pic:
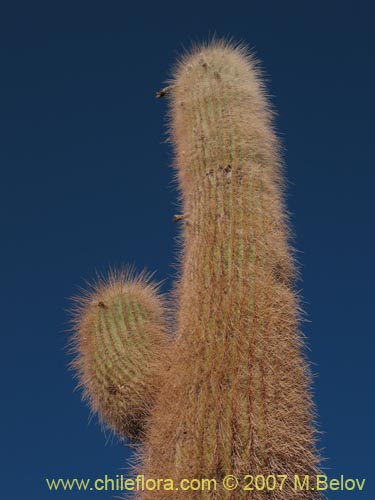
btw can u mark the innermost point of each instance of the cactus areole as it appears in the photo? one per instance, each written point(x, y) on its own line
point(228, 391)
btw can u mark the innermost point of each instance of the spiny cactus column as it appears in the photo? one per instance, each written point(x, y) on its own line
point(234, 396)
point(237, 396)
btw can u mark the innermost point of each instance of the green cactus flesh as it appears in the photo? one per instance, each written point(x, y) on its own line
point(120, 341)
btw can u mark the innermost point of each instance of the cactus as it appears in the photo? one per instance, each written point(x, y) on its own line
point(121, 340)
point(230, 393)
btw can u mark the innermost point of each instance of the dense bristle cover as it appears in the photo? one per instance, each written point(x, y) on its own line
point(237, 398)
point(120, 343)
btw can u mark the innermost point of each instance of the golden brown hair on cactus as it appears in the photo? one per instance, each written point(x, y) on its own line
point(233, 395)
point(120, 340)
point(237, 398)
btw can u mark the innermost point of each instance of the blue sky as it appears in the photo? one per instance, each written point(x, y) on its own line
point(86, 183)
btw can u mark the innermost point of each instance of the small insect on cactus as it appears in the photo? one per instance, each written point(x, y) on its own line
point(229, 391)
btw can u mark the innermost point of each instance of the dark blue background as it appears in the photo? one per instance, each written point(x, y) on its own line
point(86, 182)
